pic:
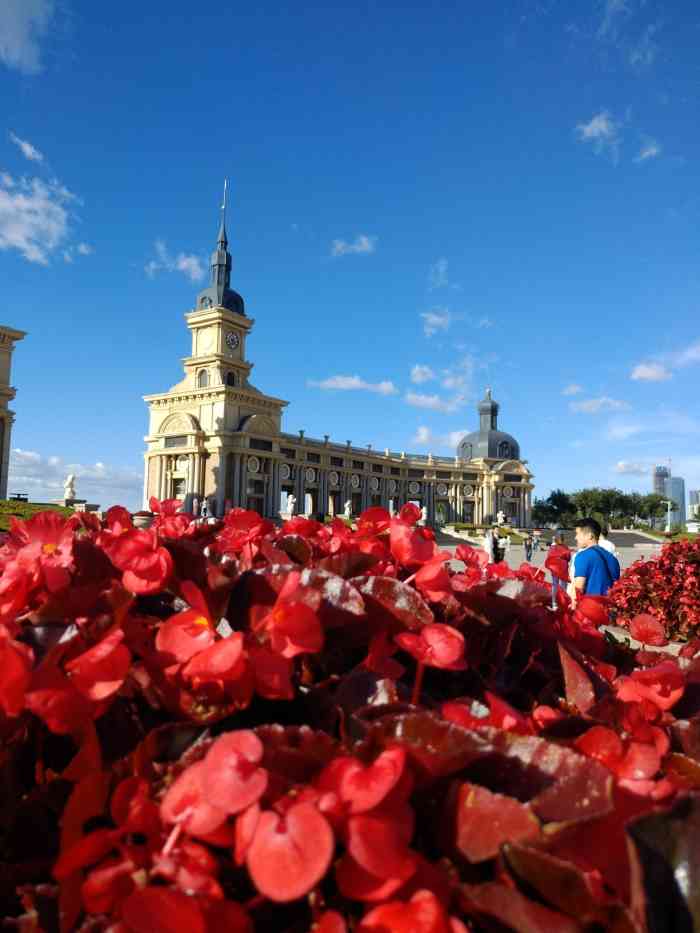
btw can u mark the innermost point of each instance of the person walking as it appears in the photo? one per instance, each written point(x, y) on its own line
point(557, 562)
point(605, 542)
point(528, 548)
point(595, 568)
point(490, 545)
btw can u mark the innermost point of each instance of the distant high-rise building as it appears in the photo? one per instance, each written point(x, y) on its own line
point(675, 490)
point(694, 497)
point(661, 474)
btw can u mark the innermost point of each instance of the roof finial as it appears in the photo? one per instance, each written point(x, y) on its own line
point(222, 239)
point(488, 392)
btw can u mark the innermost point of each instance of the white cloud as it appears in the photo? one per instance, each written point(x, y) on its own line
point(650, 372)
point(34, 217)
point(361, 245)
point(603, 133)
point(187, 263)
point(623, 430)
point(85, 249)
point(688, 356)
point(67, 256)
point(631, 468)
point(644, 51)
point(41, 477)
point(484, 323)
point(613, 11)
point(22, 24)
point(591, 406)
point(28, 151)
point(438, 274)
point(434, 402)
point(421, 373)
point(650, 149)
point(572, 389)
point(353, 383)
point(425, 438)
point(437, 319)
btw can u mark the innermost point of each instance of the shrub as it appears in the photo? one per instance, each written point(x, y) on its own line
point(242, 727)
point(666, 587)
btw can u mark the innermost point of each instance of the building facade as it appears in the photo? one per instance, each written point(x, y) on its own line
point(214, 436)
point(659, 477)
point(8, 338)
point(675, 491)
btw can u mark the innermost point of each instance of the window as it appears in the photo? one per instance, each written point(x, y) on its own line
point(257, 444)
point(313, 458)
point(513, 478)
point(470, 477)
point(443, 475)
point(358, 465)
point(288, 452)
point(396, 471)
point(202, 379)
point(415, 473)
point(377, 468)
point(504, 449)
point(230, 379)
point(336, 461)
point(466, 451)
point(176, 440)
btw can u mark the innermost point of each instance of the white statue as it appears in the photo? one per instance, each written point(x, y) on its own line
point(205, 508)
point(291, 505)
point(195, 506)
point(69, 486)
point(347, 508)
point(500, 517)
point(424, 516)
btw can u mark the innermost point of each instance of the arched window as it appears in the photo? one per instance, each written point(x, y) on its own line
point(202, 379)
point(504, 449)
point(230, 379)
point(466, 451)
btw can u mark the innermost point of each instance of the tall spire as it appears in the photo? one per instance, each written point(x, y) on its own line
point(220, 294)
point(222, 239)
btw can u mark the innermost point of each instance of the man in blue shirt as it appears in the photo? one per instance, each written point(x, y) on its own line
point(595, 569)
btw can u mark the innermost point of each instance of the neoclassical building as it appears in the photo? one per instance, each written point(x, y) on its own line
point(214, 435)
point(8, 338)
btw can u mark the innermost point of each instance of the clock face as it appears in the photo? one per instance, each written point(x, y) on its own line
point(232, 340)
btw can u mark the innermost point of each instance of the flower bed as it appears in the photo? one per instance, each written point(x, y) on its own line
point(666, 587)
point(234, 727)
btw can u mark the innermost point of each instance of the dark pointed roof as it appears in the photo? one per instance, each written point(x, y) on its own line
point(488, 442)
point(220, 294)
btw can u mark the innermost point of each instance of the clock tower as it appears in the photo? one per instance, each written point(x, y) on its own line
point(198, 428)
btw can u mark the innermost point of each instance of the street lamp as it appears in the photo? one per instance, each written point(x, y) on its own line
point(668, 503)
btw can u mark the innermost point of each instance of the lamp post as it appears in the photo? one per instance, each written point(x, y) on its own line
point(668, 503)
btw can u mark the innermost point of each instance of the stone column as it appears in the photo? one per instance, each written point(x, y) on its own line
point(160, 468)
point(301, 490)
point(236, 484)
point(323, 492)
point(191, 477)
point(146, 475)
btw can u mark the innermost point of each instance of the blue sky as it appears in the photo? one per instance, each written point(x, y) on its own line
point(425, 199)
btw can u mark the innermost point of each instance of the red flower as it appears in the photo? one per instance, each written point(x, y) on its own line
point(290, 854)
point(422, 914)
point(662, 685)
point(362, 788)
point(433, 580)
point(16, 666)
point(411, 546)
point(146, 565)
point(44, 544)
point(291, 626)
point(232, 774)
point(101, 670)
point(648, 630)
point(437, 646)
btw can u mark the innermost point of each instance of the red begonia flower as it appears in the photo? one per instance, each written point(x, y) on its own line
point(374, 521)
point(162, 910)
point(411, 546)
point(183, 636)
point(232, 774)
point(662, 685)
point(16, 669)
point(433, 580)
point(379, 840)
point(87, 850)
point(422, 914)
point(330, 922)
point(44, 543)
point(475, 558)
point(101, 670)
point(293, 628)
point(53, 698)
point(594, 609)
point(436, 645)
point(290, 854)
point(647, 629)
point(146, 565)
point(187, 802)
point(132, 808)
point(410, 513)
point(221, 663)
point(15, 584)
point(362, 788)
point(273, 672)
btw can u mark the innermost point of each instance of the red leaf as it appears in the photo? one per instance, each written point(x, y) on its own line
point(422, 914)
point(579, 689)
point(484, 821)
point(393, 604)
point(290, 854)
